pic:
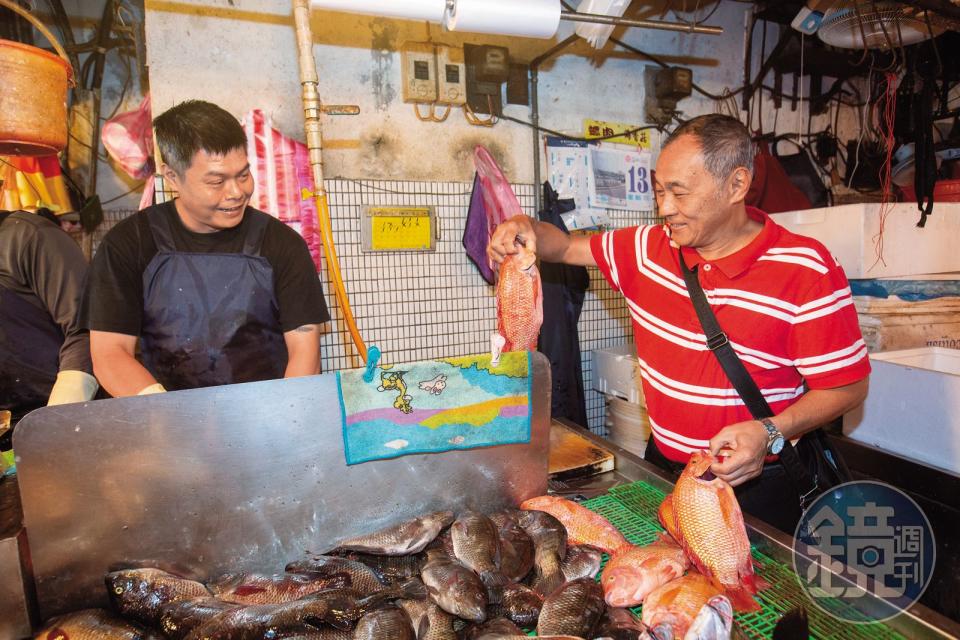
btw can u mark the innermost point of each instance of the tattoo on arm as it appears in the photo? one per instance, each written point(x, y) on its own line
point(307, 328)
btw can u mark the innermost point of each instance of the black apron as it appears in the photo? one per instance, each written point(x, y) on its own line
point(210, 318)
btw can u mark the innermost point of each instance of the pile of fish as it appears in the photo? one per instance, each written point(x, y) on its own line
point(471, 577)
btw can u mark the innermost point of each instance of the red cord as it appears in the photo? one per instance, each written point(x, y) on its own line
point(887, 122)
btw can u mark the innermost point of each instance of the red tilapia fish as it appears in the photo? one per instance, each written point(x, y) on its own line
point(519, 304)
point(669, 610)
point(708, 521)
point(583, 525)
point(631, 575)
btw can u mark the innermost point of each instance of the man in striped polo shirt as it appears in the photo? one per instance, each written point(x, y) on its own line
point(782, 299)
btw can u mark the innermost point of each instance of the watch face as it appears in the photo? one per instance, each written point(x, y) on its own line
point(776, 446)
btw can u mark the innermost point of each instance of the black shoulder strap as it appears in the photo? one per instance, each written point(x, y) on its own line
point(743, 382)
point(718, 343)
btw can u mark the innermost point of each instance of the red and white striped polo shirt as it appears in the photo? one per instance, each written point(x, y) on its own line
point(783, 301)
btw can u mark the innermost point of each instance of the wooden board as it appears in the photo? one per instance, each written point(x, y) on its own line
point(573, 456)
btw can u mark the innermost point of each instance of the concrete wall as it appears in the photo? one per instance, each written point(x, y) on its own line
point(241, 54)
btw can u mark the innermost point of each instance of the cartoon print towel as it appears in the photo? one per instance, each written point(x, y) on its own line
point(435, 405)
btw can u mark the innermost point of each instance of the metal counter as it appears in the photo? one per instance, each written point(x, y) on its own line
point(918, 622)
point(15, 594)
point(243, 477)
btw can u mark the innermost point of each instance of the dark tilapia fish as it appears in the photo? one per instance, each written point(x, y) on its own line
point(573, 609)
point(550, 543)
point(619, 624)
point(92, 624)
point(389, 569)
point(389, 622)
point(476, 545)
point(495, 628)
point(336, 607)
point(139, 594)
point(428, 620)
point(362, 578)
point(411, 536)
point(581, 562)
point(516, 547)
point(256, 588)
point(443, 542)
point(520, 604)
point(454, 588)
point(178, 619)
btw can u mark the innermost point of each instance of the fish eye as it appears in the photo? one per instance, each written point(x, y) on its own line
point(118, 590)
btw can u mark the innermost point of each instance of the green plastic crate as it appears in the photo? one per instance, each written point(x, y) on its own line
point(632, 508)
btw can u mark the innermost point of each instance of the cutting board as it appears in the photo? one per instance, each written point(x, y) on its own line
point(574, 456)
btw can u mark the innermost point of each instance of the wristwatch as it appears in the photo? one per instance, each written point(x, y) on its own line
point(774, 437)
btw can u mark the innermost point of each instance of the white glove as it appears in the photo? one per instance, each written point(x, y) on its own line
point(156, 387)
point(72, 386)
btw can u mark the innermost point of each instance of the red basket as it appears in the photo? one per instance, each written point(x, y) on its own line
point(943, 191)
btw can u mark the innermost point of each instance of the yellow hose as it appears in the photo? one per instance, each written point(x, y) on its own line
point(333, 263)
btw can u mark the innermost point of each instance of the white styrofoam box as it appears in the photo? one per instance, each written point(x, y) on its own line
point(616, 372)
point(911, 408)
point(850, 232)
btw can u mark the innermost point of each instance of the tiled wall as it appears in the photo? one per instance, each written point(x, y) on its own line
point(415, 306)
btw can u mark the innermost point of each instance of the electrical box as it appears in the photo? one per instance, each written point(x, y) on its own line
point(664, 87)
point(419, 62)
point(488, 67)
point(451, 76)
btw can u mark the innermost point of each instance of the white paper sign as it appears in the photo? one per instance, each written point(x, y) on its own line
point(570, 174)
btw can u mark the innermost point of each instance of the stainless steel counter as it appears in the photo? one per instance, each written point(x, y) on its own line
point(15, 605)
point(918, 622)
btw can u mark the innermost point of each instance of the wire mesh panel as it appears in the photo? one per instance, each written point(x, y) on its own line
point(422, 305)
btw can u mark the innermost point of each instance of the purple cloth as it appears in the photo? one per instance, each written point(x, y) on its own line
point(476, 234)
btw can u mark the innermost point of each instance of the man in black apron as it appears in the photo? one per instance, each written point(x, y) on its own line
point(44, 354)
point(215, 291)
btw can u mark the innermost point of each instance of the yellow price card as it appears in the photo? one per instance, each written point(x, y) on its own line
point(399, 229)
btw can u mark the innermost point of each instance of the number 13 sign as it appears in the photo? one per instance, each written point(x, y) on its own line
point(621, 179)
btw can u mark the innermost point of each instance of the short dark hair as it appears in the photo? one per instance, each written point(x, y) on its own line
point(193, 126)
point(724, 142)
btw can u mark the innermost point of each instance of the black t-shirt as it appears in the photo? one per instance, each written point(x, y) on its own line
point(113, 297)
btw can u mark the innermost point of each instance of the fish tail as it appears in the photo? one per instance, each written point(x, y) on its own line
point(413, 589)
point(742, 599)
point(754, 583)
point(621, 549)
point(547, 574)
point(494, 581)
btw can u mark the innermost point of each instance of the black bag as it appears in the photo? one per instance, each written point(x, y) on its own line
point(812, 465)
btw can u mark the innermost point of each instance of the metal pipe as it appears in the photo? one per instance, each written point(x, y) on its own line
point(312, 109)
point(535, 111)
point(576, 16)
point(535, 120)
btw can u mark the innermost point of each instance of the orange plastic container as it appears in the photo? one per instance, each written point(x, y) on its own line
point(943, 191)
